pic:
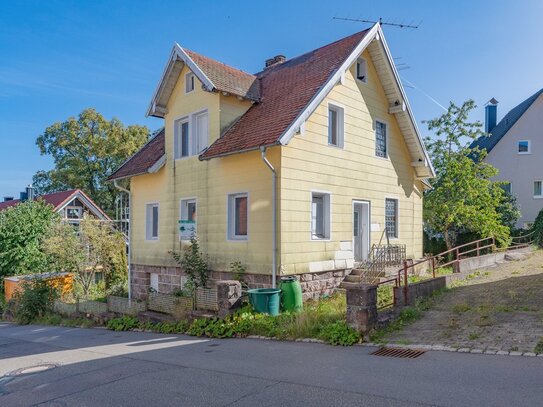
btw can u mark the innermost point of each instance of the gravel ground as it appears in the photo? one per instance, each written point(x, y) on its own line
point(498, 309)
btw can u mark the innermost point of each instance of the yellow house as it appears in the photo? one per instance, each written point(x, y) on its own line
point(298, 169)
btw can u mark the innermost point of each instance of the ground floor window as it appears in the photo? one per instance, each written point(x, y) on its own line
point(238, 216)
point(151, 223)
point(320, 215)
point(391, 217)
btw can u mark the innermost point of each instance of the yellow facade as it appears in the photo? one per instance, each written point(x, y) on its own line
point(306, 163)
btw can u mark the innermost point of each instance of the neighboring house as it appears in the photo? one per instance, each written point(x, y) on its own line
point(515, 148)
point(335, 126)
point(71, 205)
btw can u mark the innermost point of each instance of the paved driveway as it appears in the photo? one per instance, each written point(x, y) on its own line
point(97, 367)
point(500, 308)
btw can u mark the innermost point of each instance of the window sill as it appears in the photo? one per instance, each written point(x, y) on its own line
point(527, 153)
point(364, 82)
point(337, 147)
point(538, 196)
point(382, 158)
point(151, 240)
point(237, 239)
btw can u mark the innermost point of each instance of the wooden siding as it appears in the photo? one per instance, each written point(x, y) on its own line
point(352, 173)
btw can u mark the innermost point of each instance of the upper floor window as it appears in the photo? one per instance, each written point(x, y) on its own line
point(362, 70)
point(189, 82)
point(507, 188)
point(238, 216)
point(335, 126)
point(191, 135)
point(523, 147)
point(381, 139)
point(391, 217)
point(74, 212)
point(151, 221)
point(320, 215)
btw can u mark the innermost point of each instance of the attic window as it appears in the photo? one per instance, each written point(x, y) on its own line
point(362, 70)
point(189, 82)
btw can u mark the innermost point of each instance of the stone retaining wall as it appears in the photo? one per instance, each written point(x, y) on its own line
point(314, 285)
point(169, 304)
point(92, 307)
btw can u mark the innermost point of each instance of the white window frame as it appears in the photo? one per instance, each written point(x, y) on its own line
point(231, 214)
point(529, 147)
point(540, 196)
point(387, 127)
point(340, 112)
point(393, 198)
point(183, 210)
point(194, 140)
point(149, 221)
point(190, 76)
point(78, 208)
point(327, 213)
point(361, 62)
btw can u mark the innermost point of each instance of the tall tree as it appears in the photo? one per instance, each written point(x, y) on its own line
point(85, 151)
point(463, 197)
point(22, 229)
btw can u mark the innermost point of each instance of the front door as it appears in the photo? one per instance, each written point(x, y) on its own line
point(361, 230)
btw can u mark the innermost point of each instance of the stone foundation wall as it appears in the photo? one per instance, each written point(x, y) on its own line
point(314, 285)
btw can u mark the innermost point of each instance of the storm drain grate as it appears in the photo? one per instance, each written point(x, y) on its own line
point(398, 353)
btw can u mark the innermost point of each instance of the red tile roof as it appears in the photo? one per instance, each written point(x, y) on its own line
point(282, 91)
point(57, 200)
point(286, 89)
point(226, 78)
point(144, 159)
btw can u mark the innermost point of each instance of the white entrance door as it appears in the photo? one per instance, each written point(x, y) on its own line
point(361, 230)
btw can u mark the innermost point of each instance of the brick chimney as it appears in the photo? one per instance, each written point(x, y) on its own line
point(278, 59)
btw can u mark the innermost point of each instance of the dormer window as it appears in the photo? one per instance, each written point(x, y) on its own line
point(362, 70)
point(189, 82)
point(523, 147)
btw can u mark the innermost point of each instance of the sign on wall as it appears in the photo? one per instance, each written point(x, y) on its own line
point(187, 229)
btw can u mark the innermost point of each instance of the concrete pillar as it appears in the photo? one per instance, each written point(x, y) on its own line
point(361, 306)
point(228, 296)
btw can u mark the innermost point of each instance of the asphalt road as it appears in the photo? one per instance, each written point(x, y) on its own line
point(96, 367)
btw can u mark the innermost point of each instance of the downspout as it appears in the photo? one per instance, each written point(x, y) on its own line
point(274, 215)
point(129, 251)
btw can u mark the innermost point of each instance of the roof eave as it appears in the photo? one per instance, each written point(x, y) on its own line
point(202, 158)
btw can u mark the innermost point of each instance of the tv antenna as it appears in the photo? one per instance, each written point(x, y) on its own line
point(399, 25)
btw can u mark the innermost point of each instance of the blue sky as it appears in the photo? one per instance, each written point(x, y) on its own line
point(59, 57)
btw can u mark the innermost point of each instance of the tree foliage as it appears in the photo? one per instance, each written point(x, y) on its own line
point(22, 229)
point(463, 198)
point(93, 247)
point(86, 150)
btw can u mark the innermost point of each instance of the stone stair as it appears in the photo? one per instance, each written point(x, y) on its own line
point(363, 276)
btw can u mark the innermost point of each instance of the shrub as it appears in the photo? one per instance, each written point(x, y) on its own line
point(33, 301)
point(339, 333)
point(198, 327)
point(124, 323)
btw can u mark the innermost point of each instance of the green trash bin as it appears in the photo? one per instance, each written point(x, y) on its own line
point(265, 300)
point(291, 294)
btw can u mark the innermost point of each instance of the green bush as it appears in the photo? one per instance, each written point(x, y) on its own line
point(33, 301)
point(198, 327)
point(124, 323)
point(537, 228)
point(338, 333)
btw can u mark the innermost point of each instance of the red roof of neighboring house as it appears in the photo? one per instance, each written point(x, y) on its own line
point(144, 159)
point(286, 89)
point(57, 200)
point(282, 91)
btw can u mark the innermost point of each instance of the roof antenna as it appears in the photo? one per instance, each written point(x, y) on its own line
point(381, 22)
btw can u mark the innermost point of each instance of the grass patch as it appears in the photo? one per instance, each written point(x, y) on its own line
point(461, 308)
point(473, 336)
point(539, 347)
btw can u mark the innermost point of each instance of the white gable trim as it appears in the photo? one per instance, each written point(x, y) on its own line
point(177, 54)
point(328, 86)
point(87, 202)
point(158, 165)
point(375, 33)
